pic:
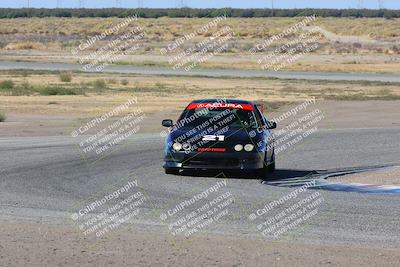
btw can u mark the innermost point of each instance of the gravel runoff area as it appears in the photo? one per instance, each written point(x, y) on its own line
point(35, 244)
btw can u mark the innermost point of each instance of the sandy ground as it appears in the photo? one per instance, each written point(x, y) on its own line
point(382, 177)
point(345, 114)
point(36, 244)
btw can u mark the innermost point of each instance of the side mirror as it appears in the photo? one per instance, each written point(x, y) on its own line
point(271, 125)
point(167, 123)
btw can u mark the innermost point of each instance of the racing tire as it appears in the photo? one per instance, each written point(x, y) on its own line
point(262, 173)
point(271, 166)
point(172, 171)
point(267, 169)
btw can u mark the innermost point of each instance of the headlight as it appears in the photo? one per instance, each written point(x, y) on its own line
point(248, 147)
point(177, 146)
point(186, 147)
point(238, 147)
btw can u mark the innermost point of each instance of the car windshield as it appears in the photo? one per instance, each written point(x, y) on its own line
point(232, 117)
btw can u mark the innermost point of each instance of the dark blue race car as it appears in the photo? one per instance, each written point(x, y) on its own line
point(220, 134)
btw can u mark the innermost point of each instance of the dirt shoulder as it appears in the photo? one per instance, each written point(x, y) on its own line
point(382, 177)
point(64, 246)
point(337, 114)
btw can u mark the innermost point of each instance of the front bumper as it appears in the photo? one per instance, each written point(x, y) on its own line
point(215, 160)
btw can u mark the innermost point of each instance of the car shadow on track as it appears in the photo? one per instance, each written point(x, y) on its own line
point(289, 174)
point(278, 174)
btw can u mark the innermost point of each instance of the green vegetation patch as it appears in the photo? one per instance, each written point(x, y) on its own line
point(2, 116)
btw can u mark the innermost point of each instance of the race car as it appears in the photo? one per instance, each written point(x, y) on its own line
point(220, 134)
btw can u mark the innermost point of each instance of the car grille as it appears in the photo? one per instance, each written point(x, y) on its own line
point(202, 161)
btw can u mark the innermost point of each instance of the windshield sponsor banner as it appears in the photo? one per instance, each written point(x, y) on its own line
point(220, 105)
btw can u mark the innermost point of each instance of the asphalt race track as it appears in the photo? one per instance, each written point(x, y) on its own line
point(45, 178)
point(233, 73)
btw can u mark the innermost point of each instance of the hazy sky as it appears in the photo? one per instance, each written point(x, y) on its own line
point(391, 4)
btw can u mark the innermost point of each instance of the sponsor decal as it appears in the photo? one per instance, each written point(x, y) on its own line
point(220, 105)
point(211, 149)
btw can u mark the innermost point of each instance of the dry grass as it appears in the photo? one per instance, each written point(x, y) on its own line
point(364, 67)
point(25, 46)
point(168, 93)
point(372, 27)
point(58, 35)
point(170, 28)
point(2, 117)
point(66, 77)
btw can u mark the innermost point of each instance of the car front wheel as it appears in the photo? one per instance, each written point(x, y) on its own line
point(267, 169)
point(271, 165)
